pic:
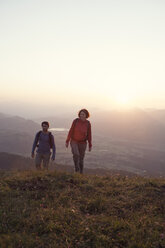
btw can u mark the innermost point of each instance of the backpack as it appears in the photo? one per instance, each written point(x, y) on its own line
point(50, 138)
point(76, 120)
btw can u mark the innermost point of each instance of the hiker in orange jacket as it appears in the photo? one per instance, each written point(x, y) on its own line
point(79, 134)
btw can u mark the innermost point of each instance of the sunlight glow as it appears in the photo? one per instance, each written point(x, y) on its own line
point(123, 100)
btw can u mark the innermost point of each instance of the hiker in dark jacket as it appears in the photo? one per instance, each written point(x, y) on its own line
point(79, 134)
point(44, 141)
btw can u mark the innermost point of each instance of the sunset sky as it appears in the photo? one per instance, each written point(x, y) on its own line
point(94, 53)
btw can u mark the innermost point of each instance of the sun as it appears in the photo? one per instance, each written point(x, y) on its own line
point(123, 100)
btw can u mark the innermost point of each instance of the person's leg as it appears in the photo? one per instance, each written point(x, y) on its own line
point(38, 160)
point(46, 158)
point(82, 149)
point(76, 155)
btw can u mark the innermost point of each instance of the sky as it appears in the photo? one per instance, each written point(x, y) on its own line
point(100, 54)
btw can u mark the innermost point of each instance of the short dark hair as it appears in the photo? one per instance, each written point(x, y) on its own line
point(85, 111)
point(45, 123)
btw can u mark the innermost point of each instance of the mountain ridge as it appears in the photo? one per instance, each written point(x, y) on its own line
point(114, 141)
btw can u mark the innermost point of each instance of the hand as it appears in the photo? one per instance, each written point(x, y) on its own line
point(66, 144)
point(32, 155)
point(90, 149)
point(52, 158)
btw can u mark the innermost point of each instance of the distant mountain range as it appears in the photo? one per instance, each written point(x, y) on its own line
point(16, 134)
point(145, 126)
point(17, 123)
point(132, 140)
point(137, 126)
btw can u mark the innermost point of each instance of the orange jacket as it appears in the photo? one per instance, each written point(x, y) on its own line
point(80, 132)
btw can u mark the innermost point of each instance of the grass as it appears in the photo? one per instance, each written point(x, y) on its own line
point(60, 210)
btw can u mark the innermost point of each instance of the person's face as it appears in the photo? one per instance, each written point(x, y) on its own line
point(83, 116)
point(45, 128)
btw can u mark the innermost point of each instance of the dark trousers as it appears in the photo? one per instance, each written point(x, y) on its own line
point(78, 151)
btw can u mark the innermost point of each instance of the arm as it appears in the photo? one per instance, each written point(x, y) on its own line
point(90, 136)
point(34, 146)
point(70, 133)
point(53, 148)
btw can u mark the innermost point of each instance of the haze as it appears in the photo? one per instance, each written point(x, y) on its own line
point(70, 54)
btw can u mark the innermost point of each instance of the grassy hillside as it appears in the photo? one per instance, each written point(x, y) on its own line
point(60, 210)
